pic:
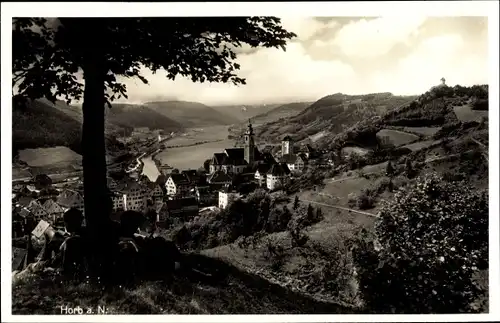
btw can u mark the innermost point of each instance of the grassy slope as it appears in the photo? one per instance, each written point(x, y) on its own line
point(136, 116)
point(191, 114)
point(229, 291)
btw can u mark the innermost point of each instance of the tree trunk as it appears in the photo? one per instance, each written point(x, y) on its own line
point(94, 158)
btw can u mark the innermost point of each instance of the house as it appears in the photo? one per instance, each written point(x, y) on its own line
point(236, 160)
point(42, 181)
point(261, 173)
point(24, 201)
point(118, 200)
point(156, 194)
point(54, 210)
point(135, 196)
point(287, 146)
point(37, 209)
point(178, 185)
point(70, 199)
point(277, 176)
point(112, 184)
point(183, 208)
point(295, 162)
point(227, 195)
point(218, 180)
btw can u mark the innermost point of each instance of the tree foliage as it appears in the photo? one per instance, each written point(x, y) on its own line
point(49, 53)
point(433, 237)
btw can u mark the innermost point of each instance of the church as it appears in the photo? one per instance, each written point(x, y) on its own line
point(240, 160)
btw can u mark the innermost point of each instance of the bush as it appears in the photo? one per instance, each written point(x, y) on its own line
point(433, 238)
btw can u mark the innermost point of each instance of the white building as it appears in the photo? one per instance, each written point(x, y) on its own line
point(135, 197)
point(227, 196)
point(286, 146)
point(277, 176)
point(178, 185)
point(295, 162)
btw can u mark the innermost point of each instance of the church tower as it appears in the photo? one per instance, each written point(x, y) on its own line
point(249, 144)
point(286, 146)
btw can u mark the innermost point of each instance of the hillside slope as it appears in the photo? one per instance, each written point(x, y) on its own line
point(136, 116)
point(243, 112)
point(329, 115)
point(38, 124)
point(283, 111)
point(191, 114)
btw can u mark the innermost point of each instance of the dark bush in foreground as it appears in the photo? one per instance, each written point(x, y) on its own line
point(433, 239)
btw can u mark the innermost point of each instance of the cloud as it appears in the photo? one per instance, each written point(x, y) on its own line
point(447, 56)
point(306, 27)
point(376, 37)
point(272, 76)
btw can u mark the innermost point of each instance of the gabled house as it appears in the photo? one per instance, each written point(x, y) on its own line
point(70, 199)
point(178, 185)
point(54, 210)
point(261, 173)
point(135, 196)
point(37, 209)
point(295, 162)
point(277, 176)
point(227, 195)
point(218, 180)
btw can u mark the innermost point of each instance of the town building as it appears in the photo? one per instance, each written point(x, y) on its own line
point(205, 196)
point(277, 176)
point(70, 199)
point(261, 174)
point(178, 185)
point(227, 195)
point(37, 210)
point(54, 210)
point(295, 162)
point(237, 160)
point(181, 208)
point(135, 196)
point(218, 180)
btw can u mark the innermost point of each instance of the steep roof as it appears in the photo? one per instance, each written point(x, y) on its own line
point(219, 177)
point(52, 207)
point(287, 138)
point(179, 179)
point(68, 198)
point(288, 158)
point(235, 153)
point(219, 159)
point(279, 170)
point(263, 168)
point(228, 188)
point(25, 200)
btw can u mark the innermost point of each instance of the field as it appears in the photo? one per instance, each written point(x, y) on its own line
point(358, 150)
point(426, 131)
point(397, 138)
point(421, 144)
point(46, 157)
point(465, 113)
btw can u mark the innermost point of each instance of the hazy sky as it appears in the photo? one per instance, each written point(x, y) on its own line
point(402, 55)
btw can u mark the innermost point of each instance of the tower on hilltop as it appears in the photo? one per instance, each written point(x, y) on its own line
point(249, 144)
point(443, 81)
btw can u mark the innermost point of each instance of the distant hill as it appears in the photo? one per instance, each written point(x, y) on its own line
point(243, 112)
point(137, 116)
point(40, 123)
point(329, 115)
point(283, 111)
point(191, 114)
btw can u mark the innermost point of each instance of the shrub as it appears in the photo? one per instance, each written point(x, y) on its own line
point(433, 238)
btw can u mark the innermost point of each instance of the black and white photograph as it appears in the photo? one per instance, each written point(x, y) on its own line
point(230, 158)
